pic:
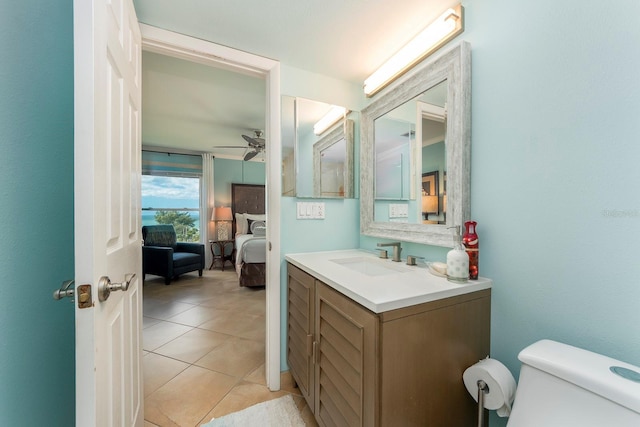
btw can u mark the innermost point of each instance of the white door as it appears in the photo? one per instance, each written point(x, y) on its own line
point(107, 56)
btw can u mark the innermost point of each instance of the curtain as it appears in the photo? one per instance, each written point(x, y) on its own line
point(206, 203)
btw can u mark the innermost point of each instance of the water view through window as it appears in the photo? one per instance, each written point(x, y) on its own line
point(172, 200)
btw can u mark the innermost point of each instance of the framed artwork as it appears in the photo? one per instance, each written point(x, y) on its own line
point(430, 199)
point(430, 183)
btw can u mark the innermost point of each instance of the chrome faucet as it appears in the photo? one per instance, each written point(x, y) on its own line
point(396, 250)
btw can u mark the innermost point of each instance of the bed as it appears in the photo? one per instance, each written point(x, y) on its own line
point(249, 228)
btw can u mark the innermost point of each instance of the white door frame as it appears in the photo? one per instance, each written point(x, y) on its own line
point(180, 46)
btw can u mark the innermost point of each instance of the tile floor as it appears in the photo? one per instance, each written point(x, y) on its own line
point(204, 350)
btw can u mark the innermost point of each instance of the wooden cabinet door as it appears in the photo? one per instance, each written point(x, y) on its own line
point(346, 361)
point(301, 318)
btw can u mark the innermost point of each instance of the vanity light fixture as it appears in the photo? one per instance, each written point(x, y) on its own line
point(335, 113)
point(439, 32)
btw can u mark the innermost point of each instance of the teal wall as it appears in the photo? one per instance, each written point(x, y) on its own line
point(227, 172)
point(37, 362)
point(555, 177)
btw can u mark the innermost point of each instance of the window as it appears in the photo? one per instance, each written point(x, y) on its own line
point(171, 192)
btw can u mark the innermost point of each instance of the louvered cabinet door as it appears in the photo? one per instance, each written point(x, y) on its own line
point(346, 361)
point(301, 309)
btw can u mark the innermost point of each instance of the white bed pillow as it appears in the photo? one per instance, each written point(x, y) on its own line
point(242, 225)
point(258, 228)
point(257, 217)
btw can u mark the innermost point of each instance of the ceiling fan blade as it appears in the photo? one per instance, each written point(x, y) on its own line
point(250, 155)
point(229, 146)
point(254, 142)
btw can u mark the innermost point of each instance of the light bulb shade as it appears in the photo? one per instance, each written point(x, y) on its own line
point(222, 213)
point(439, 32)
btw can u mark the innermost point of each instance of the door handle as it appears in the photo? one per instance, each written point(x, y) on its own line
point(105, 287)
point(65, 291)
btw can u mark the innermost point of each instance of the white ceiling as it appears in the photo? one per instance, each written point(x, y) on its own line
point(195, 107)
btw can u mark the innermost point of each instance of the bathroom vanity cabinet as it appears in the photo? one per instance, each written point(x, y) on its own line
point(401, 367)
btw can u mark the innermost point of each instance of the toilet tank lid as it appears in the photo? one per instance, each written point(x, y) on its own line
point(585, 369)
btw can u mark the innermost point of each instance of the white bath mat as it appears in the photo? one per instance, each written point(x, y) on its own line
point(281, 412)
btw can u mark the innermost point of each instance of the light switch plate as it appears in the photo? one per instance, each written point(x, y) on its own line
point(398, 210)
point(310, 210)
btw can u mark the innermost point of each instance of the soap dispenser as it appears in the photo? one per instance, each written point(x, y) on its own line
point(457, 259)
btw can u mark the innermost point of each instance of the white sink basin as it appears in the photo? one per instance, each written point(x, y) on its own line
point(370, 266)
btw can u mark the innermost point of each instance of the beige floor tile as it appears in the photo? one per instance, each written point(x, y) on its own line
point(192, 345)
point(153, 299)
point(148, 424)
point(185, 400)
point(223, 301)
point(241, 397)
point(148, 321)
point(254, 330)
point(158, 370)
point(232, 322)
point(250, 304)
point(161, 333)
point(194, 316)
point(236, 357)
point(166, 310)
point(288, 384)
point(257, 376)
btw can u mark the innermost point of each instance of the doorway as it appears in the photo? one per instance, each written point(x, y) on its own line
point(184, 47)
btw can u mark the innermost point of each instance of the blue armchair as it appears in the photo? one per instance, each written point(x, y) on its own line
point(164, 256)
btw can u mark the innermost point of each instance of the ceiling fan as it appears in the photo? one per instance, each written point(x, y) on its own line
point(255, 145)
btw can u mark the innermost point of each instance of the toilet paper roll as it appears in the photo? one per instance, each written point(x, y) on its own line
point(502, 385)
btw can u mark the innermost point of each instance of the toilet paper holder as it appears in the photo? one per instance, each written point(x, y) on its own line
point(483, 389)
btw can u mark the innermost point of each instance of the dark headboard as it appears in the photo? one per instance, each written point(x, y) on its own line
point(247, 198)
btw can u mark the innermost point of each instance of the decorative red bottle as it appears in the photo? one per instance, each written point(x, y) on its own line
point(472, 247)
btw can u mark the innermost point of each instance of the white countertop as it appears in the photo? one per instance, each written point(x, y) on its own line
point(385, 285)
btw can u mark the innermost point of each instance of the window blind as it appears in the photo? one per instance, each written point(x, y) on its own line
point(156, 163)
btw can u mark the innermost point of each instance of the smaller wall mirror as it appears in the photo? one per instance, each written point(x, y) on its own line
point(333, 163)
point(316, 164)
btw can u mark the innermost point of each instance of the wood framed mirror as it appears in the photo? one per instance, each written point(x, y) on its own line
point(446, 75)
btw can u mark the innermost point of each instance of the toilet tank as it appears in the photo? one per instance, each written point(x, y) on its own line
point(562, 386)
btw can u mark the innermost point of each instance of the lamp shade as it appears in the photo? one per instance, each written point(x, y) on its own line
point(430, 204)
point(221, 213)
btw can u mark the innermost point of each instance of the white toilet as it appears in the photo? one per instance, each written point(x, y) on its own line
point(564, 386)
